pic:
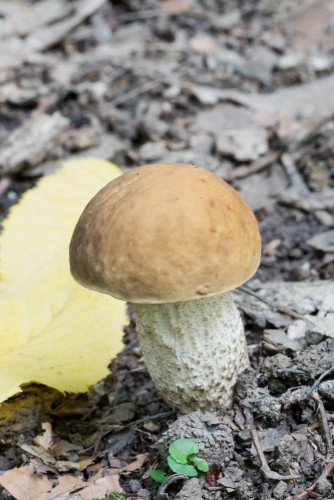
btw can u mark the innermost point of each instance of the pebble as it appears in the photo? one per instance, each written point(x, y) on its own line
point(319, 63)
point(290, 61)
point(134, 485)
point(326, 389)
point(325, 218)
point(152, 151)
point(227, 21)
point(280, 490)
point(323, 486)
point(203, 143)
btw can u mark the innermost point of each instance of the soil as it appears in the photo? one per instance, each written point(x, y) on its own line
point(276, 442)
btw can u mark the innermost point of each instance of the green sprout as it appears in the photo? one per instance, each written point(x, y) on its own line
point(181, 452)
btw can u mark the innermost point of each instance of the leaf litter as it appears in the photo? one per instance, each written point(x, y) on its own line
point(245, 90)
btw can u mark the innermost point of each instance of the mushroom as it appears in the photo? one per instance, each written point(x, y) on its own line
point(174, 239)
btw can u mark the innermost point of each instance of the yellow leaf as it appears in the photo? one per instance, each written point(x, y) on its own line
point(52, 330)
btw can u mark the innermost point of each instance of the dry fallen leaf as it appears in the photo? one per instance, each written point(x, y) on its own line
point(53, 331)
point(24, 484)
point(45, 439)
point(100, 487)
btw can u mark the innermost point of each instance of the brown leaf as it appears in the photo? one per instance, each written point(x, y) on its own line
point(44, 440)
point(63, 448)
point(85, 462)
point(212, 475)
point(67, 484)
point(36, 451)
point(101, 487)
point(23, 484)
point(137, 463)
point(41, 468)
point(94, 468)
point(65, 465)
point(133, 466)
point(271, 246)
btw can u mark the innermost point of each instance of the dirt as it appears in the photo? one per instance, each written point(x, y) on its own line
point(133, 80)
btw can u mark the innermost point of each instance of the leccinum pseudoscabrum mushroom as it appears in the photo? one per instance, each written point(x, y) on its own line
point(173, 239)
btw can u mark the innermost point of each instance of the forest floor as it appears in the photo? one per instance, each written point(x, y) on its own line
point(245, 89)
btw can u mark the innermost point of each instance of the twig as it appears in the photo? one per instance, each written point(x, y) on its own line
point(317, 382)
point(4, 184)
point(265, 469)
point(327, 470)
point(293, 314)
point(308, 132)
point(324, 420)
point(145, 14)
point(164, 414)
point(134, 93)
point(281, 309)
point(128, 17)
point(255, 167)
point(290, 143)
point(253, 294)
point(128, 347)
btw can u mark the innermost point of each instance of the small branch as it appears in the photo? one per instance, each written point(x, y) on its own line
point(328, 469)
point(317, 382)
point(282, 309)
point(164, 414)
point(325, 425)
point(305, 134)
point(265, 469)
point(247, 291)
point(141, 89)
point(128, 347)
point(255, 167)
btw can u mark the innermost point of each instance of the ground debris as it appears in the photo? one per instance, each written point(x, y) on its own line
point(50, 35)
point(245, 90)
point(313, 303)
point(323, 241)
point(214, 438)
point(36, 139)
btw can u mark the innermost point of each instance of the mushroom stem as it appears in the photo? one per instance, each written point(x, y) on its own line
point(193, 350)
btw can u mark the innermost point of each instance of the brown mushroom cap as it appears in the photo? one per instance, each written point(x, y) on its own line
point(165, 233)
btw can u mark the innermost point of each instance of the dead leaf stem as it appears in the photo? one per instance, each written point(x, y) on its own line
point(327, 470)
point(324, 420)
point(265, 469)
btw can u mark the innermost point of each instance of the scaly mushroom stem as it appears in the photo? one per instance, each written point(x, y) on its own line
point(193, 350)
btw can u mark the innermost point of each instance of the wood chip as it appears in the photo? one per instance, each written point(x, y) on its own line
point(242, 145)
point(31, 143)
point(323, 241)
point(48, 36)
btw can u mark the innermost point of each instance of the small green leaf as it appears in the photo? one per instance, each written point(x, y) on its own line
point(181, 449)
point(158, 475)
point(119, 496)
point(201, 464)
point(187, 470)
